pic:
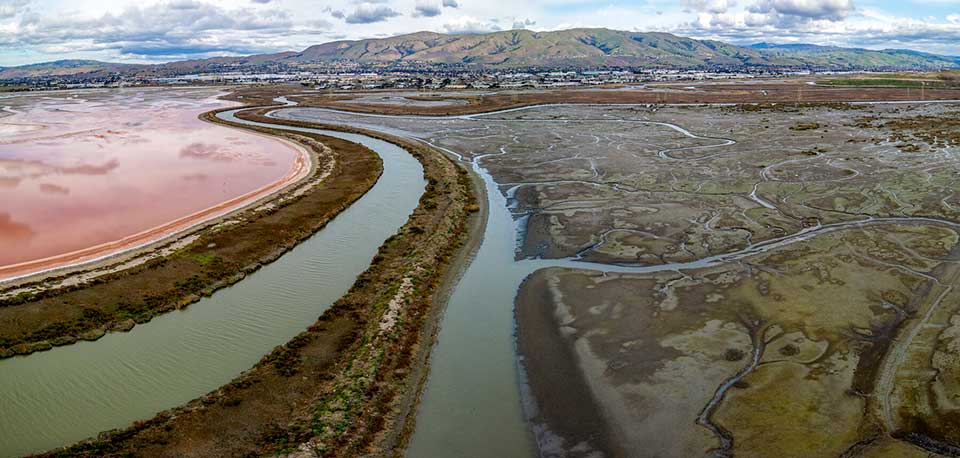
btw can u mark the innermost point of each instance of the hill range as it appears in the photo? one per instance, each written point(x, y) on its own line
point(524, 49)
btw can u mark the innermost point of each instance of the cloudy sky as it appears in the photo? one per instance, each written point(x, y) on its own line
point(164, 30)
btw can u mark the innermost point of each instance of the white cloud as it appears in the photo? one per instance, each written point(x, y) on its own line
point(524, 24)
point(160, 30)
point(466, 24)
point(709, 6)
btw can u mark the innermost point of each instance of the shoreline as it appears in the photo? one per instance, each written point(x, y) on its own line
point(303, 167)
point(123, 274)
point(404, 414)
point(345, 353)
point(560, 416)
point(477, 227)
point(756, 93)
point(427, 335)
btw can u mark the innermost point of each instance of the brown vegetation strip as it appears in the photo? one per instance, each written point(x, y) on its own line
point(220, 257)
point(338, 389)
point(743, 93)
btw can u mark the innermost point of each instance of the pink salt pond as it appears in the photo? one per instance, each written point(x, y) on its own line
point(84, 175)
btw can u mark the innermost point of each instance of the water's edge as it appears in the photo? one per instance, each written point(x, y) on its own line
point(69, 393)
point(471, 404)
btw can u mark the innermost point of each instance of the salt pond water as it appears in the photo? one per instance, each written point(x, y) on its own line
point(112, 169)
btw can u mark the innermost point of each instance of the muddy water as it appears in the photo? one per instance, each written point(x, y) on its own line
point(471, 406)
point(69, 393)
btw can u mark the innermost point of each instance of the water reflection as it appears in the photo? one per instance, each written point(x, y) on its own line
point(92, 168)
point(12, 232)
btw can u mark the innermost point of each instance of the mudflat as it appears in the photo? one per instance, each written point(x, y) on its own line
point(765, 261)
point(557, 382)
point(822, 323)
point(465, 102)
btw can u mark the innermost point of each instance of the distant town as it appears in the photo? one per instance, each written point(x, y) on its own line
point(360, 79)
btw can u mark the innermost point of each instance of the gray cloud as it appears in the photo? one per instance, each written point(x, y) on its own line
point(833, 10)
point(367, 13)
point(10, 8)
point(335, 13)
point(321, 24)
point(180, 28)
point(518, 24)
point(903, 33)
point(768, 20)
point(163, 30)
point(426, 8)
point(709, 6)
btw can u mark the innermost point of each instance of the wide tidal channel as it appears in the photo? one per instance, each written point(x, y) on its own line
point(57, 397)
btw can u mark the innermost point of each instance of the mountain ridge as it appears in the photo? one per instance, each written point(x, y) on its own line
point(514, 49)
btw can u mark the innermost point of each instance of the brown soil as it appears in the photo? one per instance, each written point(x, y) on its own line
point(220, 257)
point(338, 388)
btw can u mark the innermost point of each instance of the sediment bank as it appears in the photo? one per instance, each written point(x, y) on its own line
point(113, 298)
point(567, 413)
point(760, 92)
point(339, 388)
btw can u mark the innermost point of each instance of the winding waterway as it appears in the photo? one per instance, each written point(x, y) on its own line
point(472, 404)
point(64, 395)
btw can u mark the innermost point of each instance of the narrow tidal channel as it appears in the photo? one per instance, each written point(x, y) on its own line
point(57, 397)
point(471, 406)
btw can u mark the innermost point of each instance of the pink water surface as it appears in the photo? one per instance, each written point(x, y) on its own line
point(83, 170)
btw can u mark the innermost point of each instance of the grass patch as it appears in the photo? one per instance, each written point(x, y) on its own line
point(806, 126)
point(205, 259)
point(880, 82)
